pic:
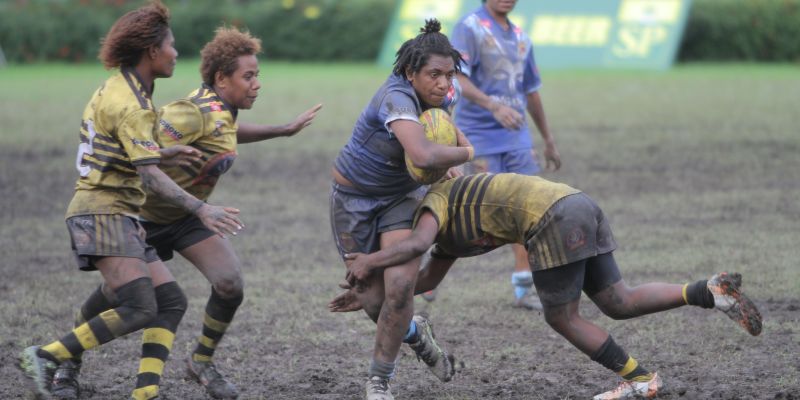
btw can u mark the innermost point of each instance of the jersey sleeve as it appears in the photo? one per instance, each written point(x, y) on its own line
point(463, 40)
point(179, 122)
point(436, 204)
point(397, 105)
point(136, 135)
point(531, 81)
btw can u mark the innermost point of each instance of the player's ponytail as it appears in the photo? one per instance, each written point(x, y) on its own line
point(431, 26)
point(414, 53)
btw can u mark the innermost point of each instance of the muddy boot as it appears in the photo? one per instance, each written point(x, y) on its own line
point(728, 298)
point(529, 301)
point(38, 371)
point(65, 381)
point(427, 350)
point(634, 390)
point(207, 375)
point(378, 389)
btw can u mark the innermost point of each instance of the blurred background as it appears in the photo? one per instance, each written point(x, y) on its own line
point(354, 30)
point(690, 145)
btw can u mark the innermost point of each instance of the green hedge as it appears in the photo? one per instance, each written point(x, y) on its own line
point(41, 30)
point(753, 30)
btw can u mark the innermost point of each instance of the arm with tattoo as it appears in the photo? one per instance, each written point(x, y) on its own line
point(220, 220)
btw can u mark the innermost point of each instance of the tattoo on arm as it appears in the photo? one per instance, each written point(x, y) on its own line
point(156, 182)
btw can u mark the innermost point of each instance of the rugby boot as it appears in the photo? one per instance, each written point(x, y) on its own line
point(529, 301)
point(65, 381)
point(634, 390)
point(38, 371)
point(728, 298)
point(378, 389)
point(207, 375)
point(427, 350)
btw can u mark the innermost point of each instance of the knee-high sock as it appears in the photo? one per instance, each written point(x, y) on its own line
point(94, 305)
point(137, 307)
point(614, 357)
point(157, 339)
point(219, 314)
point(697, 294)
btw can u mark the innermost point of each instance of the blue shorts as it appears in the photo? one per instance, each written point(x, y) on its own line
point(522, 162)
point(357, 220)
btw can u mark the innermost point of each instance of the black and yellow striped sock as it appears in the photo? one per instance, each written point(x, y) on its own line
point(697, 294)
point(93, 306)
point(219, 314)
point(157, 340)
point(137, 307)
point(613, 357)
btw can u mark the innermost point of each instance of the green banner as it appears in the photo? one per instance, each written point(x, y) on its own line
point(567, 33)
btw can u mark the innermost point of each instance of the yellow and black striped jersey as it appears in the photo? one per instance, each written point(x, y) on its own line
point(204, 121)
point(478, 213)
point(116, 134)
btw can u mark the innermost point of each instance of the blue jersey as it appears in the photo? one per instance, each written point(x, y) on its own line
point(501, 64)
point(373, 159)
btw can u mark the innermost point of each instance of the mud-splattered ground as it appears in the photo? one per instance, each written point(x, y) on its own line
point(686, 199)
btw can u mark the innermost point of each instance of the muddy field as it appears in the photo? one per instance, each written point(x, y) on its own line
point(687, 197)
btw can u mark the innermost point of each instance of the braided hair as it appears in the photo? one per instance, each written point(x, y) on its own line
point(414, 53)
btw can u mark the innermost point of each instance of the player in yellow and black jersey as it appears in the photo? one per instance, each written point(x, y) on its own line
point(570, 247)
point(117, 161)
point(206, 120)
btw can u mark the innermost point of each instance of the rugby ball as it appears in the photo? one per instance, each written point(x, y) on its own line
point(439, 129)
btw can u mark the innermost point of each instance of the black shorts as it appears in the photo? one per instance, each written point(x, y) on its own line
point(176, 236)
point(96, 236)
point(562, 285)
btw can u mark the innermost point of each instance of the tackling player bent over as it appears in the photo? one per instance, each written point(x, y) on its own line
point(570, 246)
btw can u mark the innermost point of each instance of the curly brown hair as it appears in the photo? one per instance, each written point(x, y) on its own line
point(133, 34)
point(221, 53)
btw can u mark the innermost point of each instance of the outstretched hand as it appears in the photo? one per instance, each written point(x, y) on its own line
point(179, 156)
point(345, 302)
point(303, 120)
point(220, 220)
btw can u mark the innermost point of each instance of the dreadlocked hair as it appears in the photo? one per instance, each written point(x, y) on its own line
point(133, 34)
point(414, 53)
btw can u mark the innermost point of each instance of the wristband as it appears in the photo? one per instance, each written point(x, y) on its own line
point(470, 153)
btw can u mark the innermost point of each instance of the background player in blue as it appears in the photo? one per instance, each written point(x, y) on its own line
point(500, 81)
point(373, 197)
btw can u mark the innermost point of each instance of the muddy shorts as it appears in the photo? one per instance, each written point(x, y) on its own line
point(357, 220)
point(572, 229)
point(562, 285)
point(522, 162)
point(96, 236)
point(176, 236)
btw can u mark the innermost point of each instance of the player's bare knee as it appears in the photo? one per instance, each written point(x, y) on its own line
point(230, 286)
point(618, 312)
point(615, 302)
point(557, 317)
